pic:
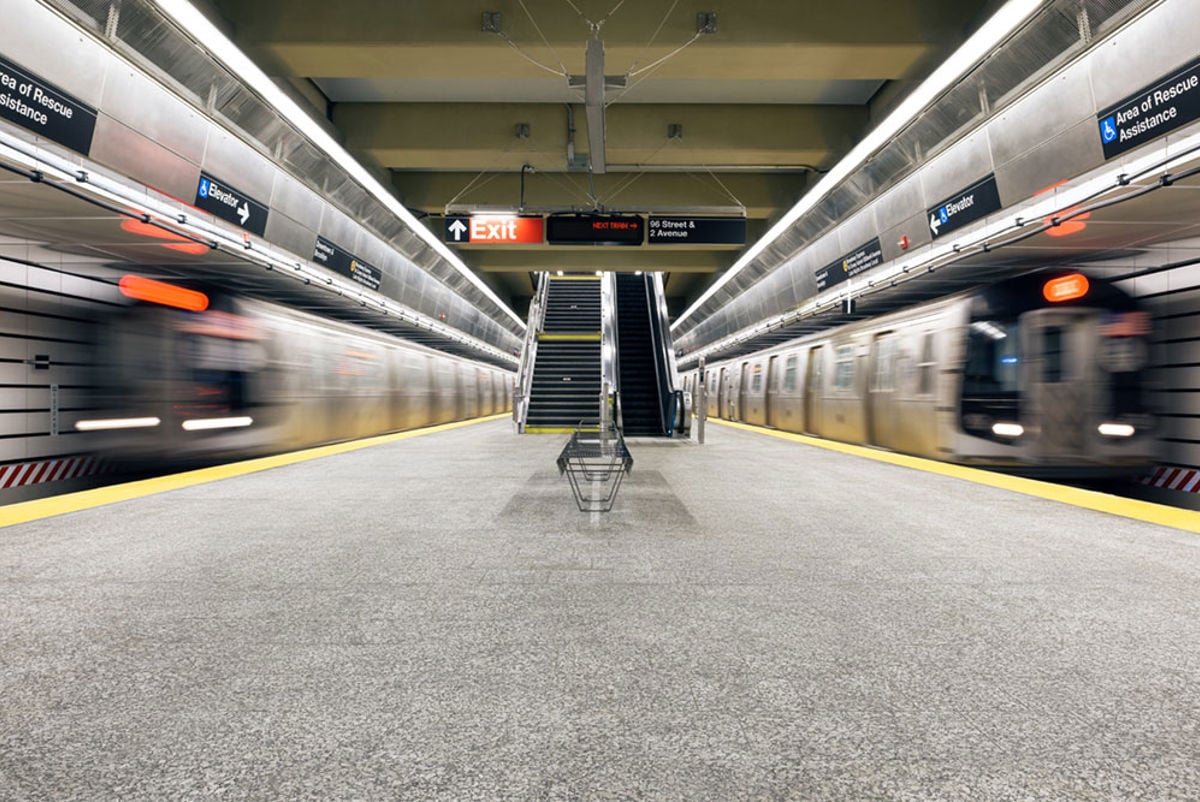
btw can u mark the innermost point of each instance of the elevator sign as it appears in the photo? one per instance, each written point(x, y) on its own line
point(494, 229)
point(233, 205)
point(962, 208)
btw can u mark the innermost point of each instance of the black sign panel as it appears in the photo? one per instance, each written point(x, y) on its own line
point(342, 261)
point(230, 203)
point(962, 208)
point(30, 102)
point(859, 260)
point(696, 230)
point(595, 229)
point(1152, 112)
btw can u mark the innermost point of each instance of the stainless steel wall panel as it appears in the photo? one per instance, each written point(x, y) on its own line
point(41, 41)
point(1070, 154)
point(297, 201)
point(958, 167)
point(294, 236)
point(1151, 46)
point(856, 229)
point(338, 228)
point(141, 103)
point(230, 159)
point(1040, 116)
point(899, 203)
point(915, 227)
point(128, 151)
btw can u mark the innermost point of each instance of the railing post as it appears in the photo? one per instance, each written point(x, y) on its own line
point(701, 401)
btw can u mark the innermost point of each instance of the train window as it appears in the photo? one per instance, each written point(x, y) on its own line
point(712, 382)
point(885, 364)
point(992, 358)
point(789, 373)
point(756, 381)
point(1052, 354)
point(843, 375)
point(926, 365)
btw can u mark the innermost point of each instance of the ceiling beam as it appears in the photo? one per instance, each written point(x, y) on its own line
point(762, 194)
point(467, 136)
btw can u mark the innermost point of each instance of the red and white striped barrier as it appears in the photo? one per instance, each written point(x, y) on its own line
point(1184, 479)
point(21, 474)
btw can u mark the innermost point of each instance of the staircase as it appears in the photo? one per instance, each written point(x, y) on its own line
point(641, 407)
point(566, 374)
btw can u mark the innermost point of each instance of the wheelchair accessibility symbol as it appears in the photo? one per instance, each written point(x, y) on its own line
point(204, 187)
point(1108, 130)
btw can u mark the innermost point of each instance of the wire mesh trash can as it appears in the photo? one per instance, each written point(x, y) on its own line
point(595, 461)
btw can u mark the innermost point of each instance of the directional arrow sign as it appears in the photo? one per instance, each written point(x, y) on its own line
point(965, 207)
point(231, 204)
point(495, 229)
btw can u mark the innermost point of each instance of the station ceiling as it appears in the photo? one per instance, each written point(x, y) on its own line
point(713, 107)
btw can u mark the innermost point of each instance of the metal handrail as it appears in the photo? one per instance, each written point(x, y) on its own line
point(610, 335)
point(537, 316)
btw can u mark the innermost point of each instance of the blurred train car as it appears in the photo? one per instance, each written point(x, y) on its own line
point(192, 377)
point(1041, 374)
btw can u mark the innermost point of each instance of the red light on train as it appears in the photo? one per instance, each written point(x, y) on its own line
point(1065, 288)
point(157, 292)
point(194, 248)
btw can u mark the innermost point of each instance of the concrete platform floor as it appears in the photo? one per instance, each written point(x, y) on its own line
point(756, 619)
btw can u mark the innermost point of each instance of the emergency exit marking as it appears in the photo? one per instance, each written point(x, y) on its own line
point(494, 229)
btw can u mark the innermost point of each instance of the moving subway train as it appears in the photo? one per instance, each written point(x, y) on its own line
point(189, 377)
point(1040, 374)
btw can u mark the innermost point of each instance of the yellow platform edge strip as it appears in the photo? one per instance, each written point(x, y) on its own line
point(578, 337)
point(575, 278)
point(1147, 511)
point(37, 509)
point(559, 429)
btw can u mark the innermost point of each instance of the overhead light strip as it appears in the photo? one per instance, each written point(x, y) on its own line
point(1010, 17)
point(56, 169)
point(1174, 154)
point(220, 47)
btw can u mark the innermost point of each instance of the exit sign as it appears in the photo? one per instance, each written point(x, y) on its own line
point(494, 229)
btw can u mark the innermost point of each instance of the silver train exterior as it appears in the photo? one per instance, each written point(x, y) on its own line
point(246, 378)
point(1042, 374)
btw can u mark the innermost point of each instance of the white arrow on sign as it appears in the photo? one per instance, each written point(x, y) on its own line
point(457, 228)
point(244, 212)
point(934, 224)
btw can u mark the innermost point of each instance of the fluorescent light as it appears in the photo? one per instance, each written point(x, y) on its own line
point(198, 424)
point(1008, 429)
point(1116, 430)
point(116, 423)
point(994, 31)
point(215, 42)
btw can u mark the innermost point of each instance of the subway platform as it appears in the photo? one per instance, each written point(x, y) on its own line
point(757, 618)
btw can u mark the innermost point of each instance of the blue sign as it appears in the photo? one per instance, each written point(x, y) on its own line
point(965, 207)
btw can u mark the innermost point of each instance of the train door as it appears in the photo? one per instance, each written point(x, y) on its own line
point(723, 404)
point(1056, 374)
point(813, 387)
point(743, 388)
point(712, 395)
point(881, 391)
point(772, 394)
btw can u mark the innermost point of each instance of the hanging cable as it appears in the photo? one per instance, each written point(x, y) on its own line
point(538, 28)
